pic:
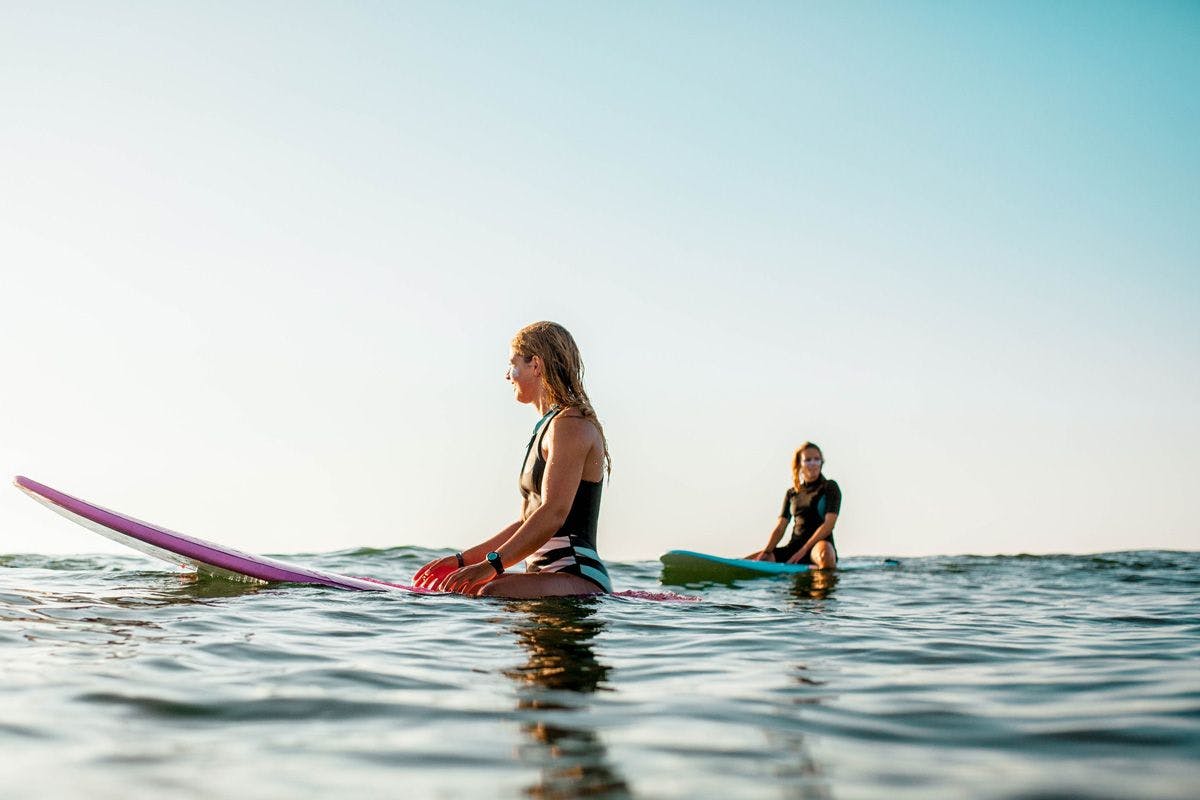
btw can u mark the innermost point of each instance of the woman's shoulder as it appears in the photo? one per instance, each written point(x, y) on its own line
point(571, 415)
point(572, 423)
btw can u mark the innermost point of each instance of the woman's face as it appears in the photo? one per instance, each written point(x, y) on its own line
point(810, 464)
point(524, 376)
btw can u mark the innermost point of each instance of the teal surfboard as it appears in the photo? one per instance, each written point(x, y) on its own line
point(686, 566)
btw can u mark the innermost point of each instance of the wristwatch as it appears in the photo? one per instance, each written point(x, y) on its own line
point(493, 558)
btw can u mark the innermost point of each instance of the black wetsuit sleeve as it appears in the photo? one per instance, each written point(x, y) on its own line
point(786, 511)
point(833, 498)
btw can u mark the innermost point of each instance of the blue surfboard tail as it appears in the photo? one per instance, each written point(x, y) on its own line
point(687, 566)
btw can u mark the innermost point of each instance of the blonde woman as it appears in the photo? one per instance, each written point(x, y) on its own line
point(561, 481)
point(813, 502)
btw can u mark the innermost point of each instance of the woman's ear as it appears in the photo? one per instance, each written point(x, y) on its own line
point(536, 361)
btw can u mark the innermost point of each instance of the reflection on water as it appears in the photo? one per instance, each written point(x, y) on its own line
point(804, 777)
point(802, 772)
point(114, 619)
point(196, 586)
point(560, 673)
point(817, 584)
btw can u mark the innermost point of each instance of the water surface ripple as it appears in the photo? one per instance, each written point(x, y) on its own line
point(988, 677)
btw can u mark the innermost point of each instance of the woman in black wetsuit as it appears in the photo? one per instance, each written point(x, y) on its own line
point(561, 481)
point(813, 502)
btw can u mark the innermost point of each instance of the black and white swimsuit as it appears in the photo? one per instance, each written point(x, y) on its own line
point(572, 549)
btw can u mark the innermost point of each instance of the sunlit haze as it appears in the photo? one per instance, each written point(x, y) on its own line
point(261, 264)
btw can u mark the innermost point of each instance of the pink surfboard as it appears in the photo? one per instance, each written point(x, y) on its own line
point(190, 551)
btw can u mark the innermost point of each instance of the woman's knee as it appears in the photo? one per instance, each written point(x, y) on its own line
point(495, 588)
point(526, 586)
point(824, 556)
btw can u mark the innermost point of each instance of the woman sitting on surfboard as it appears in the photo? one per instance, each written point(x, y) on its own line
point(561, 479)
point(814, 502)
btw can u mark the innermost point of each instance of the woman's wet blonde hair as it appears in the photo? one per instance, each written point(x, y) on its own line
point(798, 456)
point(562, 370)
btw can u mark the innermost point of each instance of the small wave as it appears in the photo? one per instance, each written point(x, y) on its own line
point(661, 597)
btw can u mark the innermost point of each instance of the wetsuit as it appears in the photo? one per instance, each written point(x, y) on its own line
point(808, 507)
point(572, 549)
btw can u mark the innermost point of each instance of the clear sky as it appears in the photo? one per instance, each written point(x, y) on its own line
point(260, 264)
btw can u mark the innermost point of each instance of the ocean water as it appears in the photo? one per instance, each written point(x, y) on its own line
point(982, 677)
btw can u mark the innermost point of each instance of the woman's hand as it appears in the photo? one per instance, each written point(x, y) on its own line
point(467, 580)
point(432, 573)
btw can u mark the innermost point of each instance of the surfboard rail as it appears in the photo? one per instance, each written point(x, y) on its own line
point(189, 551)
point(689, 566)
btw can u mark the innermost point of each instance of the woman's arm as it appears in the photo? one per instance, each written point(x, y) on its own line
point(439, 568)
point(479, 551)
point(821, 533)
point(776, 535)
point(568, 443)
